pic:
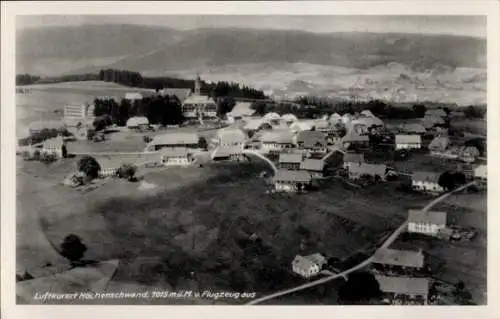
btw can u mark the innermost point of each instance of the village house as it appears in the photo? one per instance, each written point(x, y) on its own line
point(335, 119)
point(277, 140)
point(308, 266)
point(315, 167)
point(289, 118)
point(313, 141)
point(404, 290)
point(54, 146)
point(412, 128)
point(428, 223)
point(481, 173)
point(322, 125)
point(426, 182)
point(138, 123)
point(404, 141)
point(353, 158)
point(232, 153)
point(79, 119)
point(355, 140)
point(198, 105)
point(290, 161)
point(176, 157)
point(173, 140)
point(252, 125)
point(291, 181)
point(365, 170)
point(439, 145)
point(230, 137)
point(109, 165)
point(393, 259)
point(468, 154)
point(240, 111)
point(435, 112)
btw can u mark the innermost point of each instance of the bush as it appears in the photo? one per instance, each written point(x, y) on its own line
point(127, 171)
point(48, 157)
point(73, 249)
point(147, 139)
point(89, 166)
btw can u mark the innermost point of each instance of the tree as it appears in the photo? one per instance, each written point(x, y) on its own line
point(89, 166)
point(202, 143)
point(73, 249)
point(359, 287)
point(419, 110)
point(126, 171)
point(477, 143)
point(451, 180)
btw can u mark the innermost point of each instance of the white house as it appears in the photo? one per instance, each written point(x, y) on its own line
point(289, 118)
point(291, 181)
point(198, 105)
point(277, 140)
point(426, 182)
point(404, 141)
point(176, 157)
point(428, 223)
point(481, 173)
point(308, 266)
point(300, 126)
point(230, 136)
point(132, 96)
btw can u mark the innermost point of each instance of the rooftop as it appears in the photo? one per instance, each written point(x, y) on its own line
point(354, 158)
point(226, 151)
point(241, 109)
point(312, 165)
point(432, 217)
point(278, 136)
point(284, 175)
point(413, 128)
point(440, 143)
point(408, 139)
point(355, 137)
point(368, 169)
point(311, 138)
point(405, 258)
point(133, 96)
point(403, 285)
point(175, 138)
point(253, 124)
point(198, 99)
point(53, 143)
point(290, 158)
point(137, 120)
point(181, 94)
point(175, 152)
point(231, 135)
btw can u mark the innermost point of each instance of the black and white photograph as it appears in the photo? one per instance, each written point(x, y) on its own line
point(220, 159)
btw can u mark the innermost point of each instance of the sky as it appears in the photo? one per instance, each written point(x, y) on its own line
point(454, 25)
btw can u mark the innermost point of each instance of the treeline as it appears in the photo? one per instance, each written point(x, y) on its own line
point(26, 79)
point(164, 110)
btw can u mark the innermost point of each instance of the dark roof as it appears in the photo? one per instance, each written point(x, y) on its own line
point(312, 165)
point(311, 138)
point(406, 258)
point(432, 217)
point(431, 177)
point(284, 175)
point(368, 169)
point(403, 285)
point(354, 158)
point(290, 158)
point(226, 151)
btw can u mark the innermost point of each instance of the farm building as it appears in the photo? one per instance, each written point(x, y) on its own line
point(404, 141)
point(234, 153)
point(37, 126)
point(322, 125)
point(412, 128)
point(55, 146)
point(290, 161)
point(132, 96)
point(386, 258)
point(428, 223)
point(197, 105)
point(353, 159)
point(354, 139)
point(240, 111)
point(79, 119)
point(291, 181)
point(439, 144)
point(426, 182)
point(315, 167)
point(254, 124)
point(367, 122)
point(138, 122)
point(311, 140)
point(230, 137)
point(277, 140)
point(109, 165)
point(308, 266)
point(302, 126)
point(289, 118)
point(173, 140)
point(180, 94)
point(367, 113)
point(347, 118)
point(279, 125)
point(176, 157)
point(481, 173)
point(404, 290)
point(365, 170)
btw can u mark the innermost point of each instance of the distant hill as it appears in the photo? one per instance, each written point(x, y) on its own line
point(157, 50)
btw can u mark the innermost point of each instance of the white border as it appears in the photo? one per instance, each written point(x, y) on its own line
point(10, 9)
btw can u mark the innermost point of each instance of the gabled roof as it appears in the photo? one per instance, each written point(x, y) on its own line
point(175, 152)
point(405, 258)
point(302, 126)
point(253, 124)
point(175, 138)
point(198, 99)
point(284, 175)
point(403, 285)
point(354, 158)
point(302, 262)
point(241, 109)
point(310, 138)
point(277, 136)
point(413, 128)
point(368, 121)
point(231, 135)
point(431, 177)
point(408, 139)
point(439, 143)
point(352, 136)
point(289, 118)
point(432, 217)
point(368, 169)
point(317, 258)
point(320, 124)
point(226, 151)
point(290, 158)
point(137, 120)
point(311, 164)
point(53, 143)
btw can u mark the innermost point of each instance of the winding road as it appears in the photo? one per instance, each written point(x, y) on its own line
point(365, 263)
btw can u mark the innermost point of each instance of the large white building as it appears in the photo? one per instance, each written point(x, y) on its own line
point(199, 106)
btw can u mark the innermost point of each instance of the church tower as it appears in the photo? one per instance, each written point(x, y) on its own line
point(197, 85)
